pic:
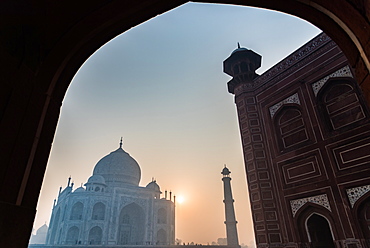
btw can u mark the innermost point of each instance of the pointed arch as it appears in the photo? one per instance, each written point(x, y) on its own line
point(319, 231)
point(62, 58)
point(95, 236)
point(72, 235)
point(340, 105)
point(290, 128)
point(131, 225)
point(361, 213)
point(76, 212)
point(161, 237)
point(98, 212)
point(313, 217)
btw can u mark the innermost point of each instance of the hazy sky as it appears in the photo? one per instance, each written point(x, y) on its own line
point(160, 85)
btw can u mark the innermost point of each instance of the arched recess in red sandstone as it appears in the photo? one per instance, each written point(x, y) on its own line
point(304, 215)
point(42, 47)
point(361, 211)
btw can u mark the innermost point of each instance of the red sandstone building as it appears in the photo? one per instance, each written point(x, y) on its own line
point(306, 139)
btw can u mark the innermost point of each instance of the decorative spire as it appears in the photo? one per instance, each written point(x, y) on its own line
point(120, 143)
point(226, 172)
point(241, 65)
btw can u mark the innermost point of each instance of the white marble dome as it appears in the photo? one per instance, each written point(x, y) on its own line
point(96, 179)
point(118, 168)
point(42, 230)
point(154, 186)
point(79, 190)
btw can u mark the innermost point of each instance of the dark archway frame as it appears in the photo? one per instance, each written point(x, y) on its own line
point(42, 47)
point(307, 211)
point(356, 211)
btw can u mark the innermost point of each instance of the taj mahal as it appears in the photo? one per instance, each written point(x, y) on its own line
point(112, 209)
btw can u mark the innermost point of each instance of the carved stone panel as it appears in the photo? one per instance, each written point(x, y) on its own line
point(354, 194)
point(291, 99)
point(343, 72)
point(321, 200)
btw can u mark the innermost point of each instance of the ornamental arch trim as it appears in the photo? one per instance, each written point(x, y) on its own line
point(342, 72)
point(323, 216)
point(321, 200)
point(305, 212)
point(357, 193)
point(293, 99)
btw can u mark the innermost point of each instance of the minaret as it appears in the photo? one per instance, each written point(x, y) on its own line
point(231, 232)
point(241, 65)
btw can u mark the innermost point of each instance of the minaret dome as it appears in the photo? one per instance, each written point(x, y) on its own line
point(241, 65)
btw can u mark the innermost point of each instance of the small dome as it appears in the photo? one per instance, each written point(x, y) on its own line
point(118, 168)
point(97, 179)
point(225, 171)
point(42, 230)
point(79, 189)
point(239, 50)
point(153, 186)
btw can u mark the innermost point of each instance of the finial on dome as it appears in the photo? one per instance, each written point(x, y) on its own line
point(238, 45)
point(120, 143)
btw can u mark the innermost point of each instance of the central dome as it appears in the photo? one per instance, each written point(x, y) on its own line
point(118, 168)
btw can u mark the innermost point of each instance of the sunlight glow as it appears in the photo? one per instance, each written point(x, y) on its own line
point(180, 199)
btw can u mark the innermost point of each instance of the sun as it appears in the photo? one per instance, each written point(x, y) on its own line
point(180, 199)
